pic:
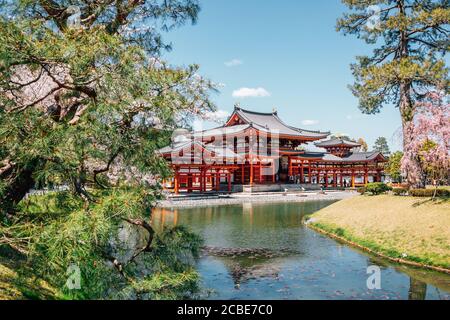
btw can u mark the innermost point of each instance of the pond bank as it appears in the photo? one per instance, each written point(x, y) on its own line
point(240, 198)
point(406, 230)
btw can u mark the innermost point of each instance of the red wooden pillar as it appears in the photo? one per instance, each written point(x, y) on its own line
point(260, 171)
point(366, 177)
point(251, 171)
point(203, 180)
point(189, 182)
point(335, 182)
point(309, 173)
point(302, 173)
point(273, 171)
point(341, 182)
point(176, 181)
point(229, 181)
point(217, 181)
point(289, 166)
point(353, 178)
point(318, 176)
point(243, 173)
point(326, 179)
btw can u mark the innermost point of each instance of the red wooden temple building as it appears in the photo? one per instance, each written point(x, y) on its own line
point(259, 149)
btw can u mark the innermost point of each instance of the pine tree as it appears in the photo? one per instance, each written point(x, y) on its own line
point(83, 90)
point(410, 39)
point(83, 86)
point(382, 146)
point(393, 168)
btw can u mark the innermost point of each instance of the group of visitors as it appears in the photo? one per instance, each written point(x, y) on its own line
point(296, 180)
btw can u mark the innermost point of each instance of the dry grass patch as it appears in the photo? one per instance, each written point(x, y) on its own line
point(419, 228)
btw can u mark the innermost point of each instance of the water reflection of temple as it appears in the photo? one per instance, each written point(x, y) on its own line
point(417, 289)
point(275, 226)
point(245, 225)
point(244, 270)
point(164, 217)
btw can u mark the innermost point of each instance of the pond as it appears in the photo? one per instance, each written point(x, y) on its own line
point(296, 263)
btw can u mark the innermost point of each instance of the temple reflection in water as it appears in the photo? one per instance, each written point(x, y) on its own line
point(314, 266)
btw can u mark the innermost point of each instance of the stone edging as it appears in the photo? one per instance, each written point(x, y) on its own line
point(279, 198)
point(397, 260)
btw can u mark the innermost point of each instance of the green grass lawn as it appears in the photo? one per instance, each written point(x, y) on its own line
point(414, 229)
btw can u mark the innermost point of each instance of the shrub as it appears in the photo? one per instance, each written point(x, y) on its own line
point(377, 188)
point(64, 233)
point(361, 190)
point(400, 191)
point(429, 193)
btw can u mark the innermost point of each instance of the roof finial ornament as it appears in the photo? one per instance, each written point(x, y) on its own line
point(274, 110)
point(237, 105)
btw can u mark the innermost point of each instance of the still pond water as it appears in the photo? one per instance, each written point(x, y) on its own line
point(315, 267)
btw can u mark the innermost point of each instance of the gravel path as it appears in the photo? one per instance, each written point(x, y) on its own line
point(239, 198)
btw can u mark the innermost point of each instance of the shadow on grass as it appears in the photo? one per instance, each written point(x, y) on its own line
point(435, 201)
point(18, 279)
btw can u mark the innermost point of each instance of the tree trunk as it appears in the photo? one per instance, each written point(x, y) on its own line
point(412, 167)
point(417, 290)
point(19, 180)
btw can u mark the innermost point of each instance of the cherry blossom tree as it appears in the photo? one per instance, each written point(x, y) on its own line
point(430, 141)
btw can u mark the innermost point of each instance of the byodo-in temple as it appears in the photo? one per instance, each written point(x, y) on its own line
point(260, 152)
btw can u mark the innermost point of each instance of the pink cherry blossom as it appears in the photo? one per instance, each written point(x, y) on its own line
point(431, 127)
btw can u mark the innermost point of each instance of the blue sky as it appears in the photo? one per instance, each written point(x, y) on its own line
point(289, 51)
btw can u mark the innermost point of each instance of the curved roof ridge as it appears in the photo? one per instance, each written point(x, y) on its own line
point(295, 128)
point(206, 130)
point(215, 128)
point(275, 115)
point(338, 141)
point(255, 112)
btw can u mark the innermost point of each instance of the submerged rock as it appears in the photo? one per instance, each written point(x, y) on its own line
point(252, 253)
point(128, 240)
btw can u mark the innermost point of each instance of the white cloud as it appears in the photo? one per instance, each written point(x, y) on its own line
point(234, 63)
point(250, 92)
point(217, 116)
point(310, 122)
point(341, 134)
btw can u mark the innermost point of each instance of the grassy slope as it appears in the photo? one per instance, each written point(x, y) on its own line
point(393, 225)
point(17, 283)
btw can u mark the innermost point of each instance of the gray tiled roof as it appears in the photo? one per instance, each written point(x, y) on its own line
point(331, 157)
point(353, 157)
point(179, 146)
point(226, 153)
point(271, 121)
point(321, 155)
point(220, 131)
point(337, 142)
point(363, 156)
point(314, 155)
